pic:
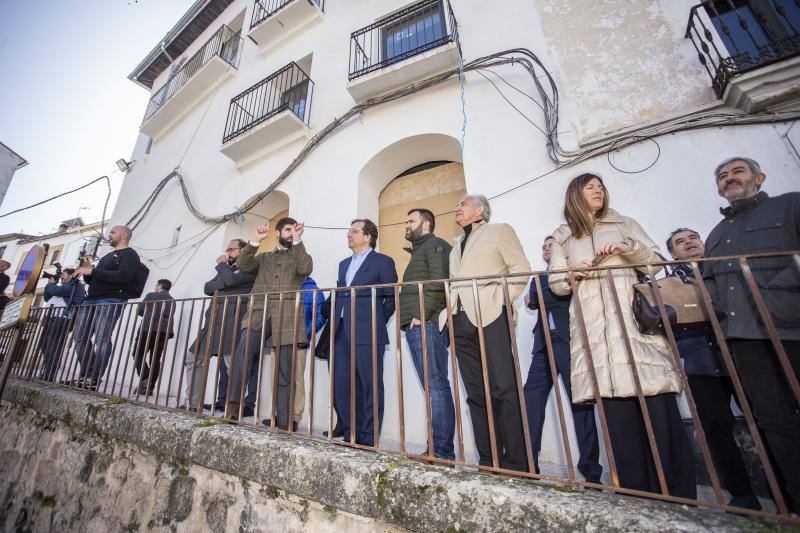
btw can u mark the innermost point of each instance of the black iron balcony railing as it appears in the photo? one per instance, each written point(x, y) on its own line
point(263, 9)
point(753, 33)
point(225, 44)
point(411, 31)
point(290, 88)
point(166, 359)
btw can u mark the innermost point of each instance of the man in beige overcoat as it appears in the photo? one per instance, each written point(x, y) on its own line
point(488, 250)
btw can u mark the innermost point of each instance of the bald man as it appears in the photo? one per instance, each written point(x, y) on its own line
point(108, 285)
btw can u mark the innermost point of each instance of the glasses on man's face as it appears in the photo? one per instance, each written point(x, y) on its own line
point(229, 250)
point(351, 231)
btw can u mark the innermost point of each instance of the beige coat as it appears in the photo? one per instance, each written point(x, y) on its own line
point(492, 249)
point(651, 353)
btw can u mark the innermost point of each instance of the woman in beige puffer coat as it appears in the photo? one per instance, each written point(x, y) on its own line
point(593, 230)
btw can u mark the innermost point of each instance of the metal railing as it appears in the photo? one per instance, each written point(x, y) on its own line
point(416, 29)
point(58, 349)
point(289, 88)
point(753, 33)
point(225, 44)
point(263, 9)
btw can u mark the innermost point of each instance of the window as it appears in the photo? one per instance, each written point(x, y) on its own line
point(295, 98)
point(415, 31)
point(767, 29)
point(55, 253)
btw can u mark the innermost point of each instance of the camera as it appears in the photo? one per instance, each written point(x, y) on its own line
point(51, 273)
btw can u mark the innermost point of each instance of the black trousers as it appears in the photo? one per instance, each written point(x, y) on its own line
point(537, 390)
point(632, 454)
point(502, 390)
point(155, 345)
point(712, 395)
point(775, 409)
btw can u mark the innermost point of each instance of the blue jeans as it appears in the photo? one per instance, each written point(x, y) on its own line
point(96, 318)
point(442, 410)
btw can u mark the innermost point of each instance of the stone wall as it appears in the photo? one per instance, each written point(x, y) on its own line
point(75, 462)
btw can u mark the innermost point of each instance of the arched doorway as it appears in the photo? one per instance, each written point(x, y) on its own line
point(436, 185)
point(419, 171)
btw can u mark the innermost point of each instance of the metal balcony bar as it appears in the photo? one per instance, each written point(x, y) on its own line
point(749, 34)
point(263, 9)
point(290, 88)
point(225, 44)
point(411, 31)
point(181, 373)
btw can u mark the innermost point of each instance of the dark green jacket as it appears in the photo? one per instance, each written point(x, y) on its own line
point(430, 259)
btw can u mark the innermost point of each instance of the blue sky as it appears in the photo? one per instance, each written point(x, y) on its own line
point(66, 104)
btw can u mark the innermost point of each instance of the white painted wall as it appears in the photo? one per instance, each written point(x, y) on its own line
point(502, 150)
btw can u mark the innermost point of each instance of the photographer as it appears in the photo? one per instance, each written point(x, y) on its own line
point(60, 294)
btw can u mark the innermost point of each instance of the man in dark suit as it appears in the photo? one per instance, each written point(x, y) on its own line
point(539, 382)
point(230, 288)
point(365, 267)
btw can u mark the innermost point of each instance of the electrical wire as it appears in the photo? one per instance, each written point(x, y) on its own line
point(523, 115)
point(648, 167)
point(108, 181)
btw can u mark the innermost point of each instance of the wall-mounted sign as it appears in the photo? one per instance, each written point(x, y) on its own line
point(16, 312)
point(29, 271)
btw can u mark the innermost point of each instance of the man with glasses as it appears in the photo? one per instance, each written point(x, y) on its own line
point(364, 267)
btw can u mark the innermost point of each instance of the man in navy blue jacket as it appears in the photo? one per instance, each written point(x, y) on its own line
point(365, 267)
point(539, 382)
point(711, 384)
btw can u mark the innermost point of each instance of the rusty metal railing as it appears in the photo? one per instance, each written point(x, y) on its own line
point(104, 348)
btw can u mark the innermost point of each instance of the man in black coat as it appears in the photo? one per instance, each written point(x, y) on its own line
point(230, 288)
point(157, 310)
point(539, 382)
point(755, 223)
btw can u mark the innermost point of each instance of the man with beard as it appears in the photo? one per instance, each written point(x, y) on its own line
point(429, 260)
point(231, 288)
point(283, 269)
point(755, 223)
point(110, 283)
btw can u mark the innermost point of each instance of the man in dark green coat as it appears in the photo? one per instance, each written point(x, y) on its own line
point(429, 261)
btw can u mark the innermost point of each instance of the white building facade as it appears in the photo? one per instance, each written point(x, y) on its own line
point(242, 88)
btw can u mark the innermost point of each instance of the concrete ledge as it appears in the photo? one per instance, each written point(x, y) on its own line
point(390, 490)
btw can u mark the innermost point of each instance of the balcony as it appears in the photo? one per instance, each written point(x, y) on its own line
point(412, 44)
point(270, 114)
point(750, 49)
point(274, 20)
point(198, 76)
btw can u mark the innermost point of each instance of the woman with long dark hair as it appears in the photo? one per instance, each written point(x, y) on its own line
point(594, 234)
